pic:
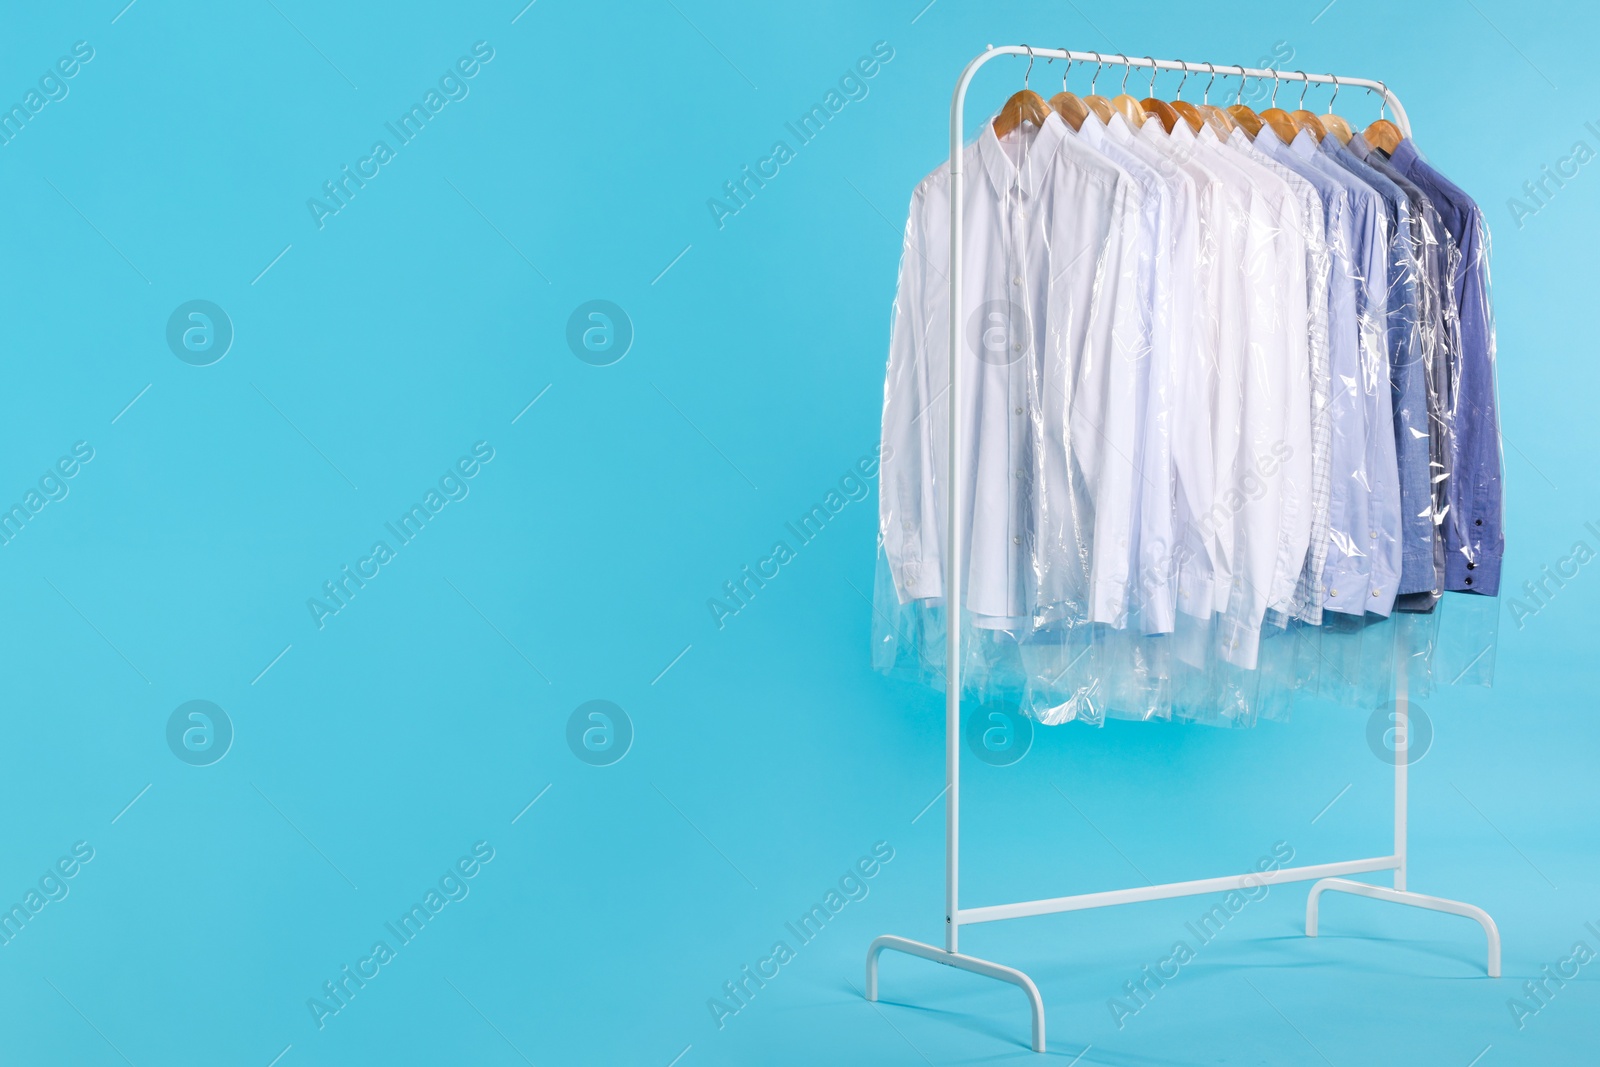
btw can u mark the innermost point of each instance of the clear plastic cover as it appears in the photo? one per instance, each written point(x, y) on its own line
point(1211, 397)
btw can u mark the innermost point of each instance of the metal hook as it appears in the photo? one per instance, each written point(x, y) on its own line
point(1153, 71)
point(1335, 95)
point(1094, 81)
point(1241, 86)
point(1305, 83)
point(1182, 83)
point(1274, 88)
point(1029, 71)
point(1127, 68)
point(1206, 99)
point(1067, 71)
point(1383, 100)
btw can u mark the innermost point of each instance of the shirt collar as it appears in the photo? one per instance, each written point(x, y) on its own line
point(1093, 130)
point(1405, 156)
point(1305, 146)
point(1037, 156)
point(1358, 147)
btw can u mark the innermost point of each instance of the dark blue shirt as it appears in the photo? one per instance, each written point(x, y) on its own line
point(1474, 524)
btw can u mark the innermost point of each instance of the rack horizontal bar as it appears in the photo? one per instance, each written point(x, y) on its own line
point(1168, 890)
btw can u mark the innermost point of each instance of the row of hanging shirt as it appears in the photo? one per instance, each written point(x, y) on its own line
point(1211, 382)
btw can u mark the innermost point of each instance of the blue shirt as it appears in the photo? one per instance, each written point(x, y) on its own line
point(1407, 380)
point(1438, 319)
point(1381, 540)
point(1347, 571)
point(1474, 523)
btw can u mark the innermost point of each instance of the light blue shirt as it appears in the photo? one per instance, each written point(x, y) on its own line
point(1407, 374)
point(1380, 541)
point(1355, 568)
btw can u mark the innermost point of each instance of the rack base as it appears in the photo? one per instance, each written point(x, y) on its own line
point(1020, 979)
point(963, 963)
point(1414, 900)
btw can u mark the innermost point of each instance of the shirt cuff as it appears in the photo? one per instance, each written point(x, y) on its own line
point(1345, 590)
point(1480, 574)
point(919, 581)
point(1238, 642)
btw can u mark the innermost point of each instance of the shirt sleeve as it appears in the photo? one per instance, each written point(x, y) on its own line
point(1195, 383)
point(1155, 480)
point(915, 407)
point(1292, 449)
point(1256, 472)
point(1347, 570)
point(1102, 422)
point(1476, 539)
point(1383, 542)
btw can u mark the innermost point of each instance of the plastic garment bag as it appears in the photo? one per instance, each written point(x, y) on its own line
point(1184, 362)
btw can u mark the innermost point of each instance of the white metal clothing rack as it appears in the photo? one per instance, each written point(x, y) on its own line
point(1327, 876)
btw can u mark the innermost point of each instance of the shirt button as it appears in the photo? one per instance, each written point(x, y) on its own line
point(1374, 593)
point(1333, 592)
point(1469, 581)
point(1016, 346)
point(1019, 474)
point(1017, 280)
point(1019, 411)
point(1477, 522)
point(1471, 566)
point(1372, 533)
point(1016, 540)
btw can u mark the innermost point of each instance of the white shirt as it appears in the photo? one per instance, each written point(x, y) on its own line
point(1012, 193)
point(1217, 238)
point(1347, 569)
point(1106, 421)
point(1307, 603)
point(1269, 483)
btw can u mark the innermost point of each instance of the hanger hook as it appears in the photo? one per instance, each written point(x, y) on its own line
point(1335, 95)
point(1206, 99)
point(1274, 87)
point(1383, 100)
point(1029, 71)
point(1184, 81)
point(1305, 83)
point(1094, 81)
point(1242, 77)
point(1066, 71)
point(1153, 71)
point(1127, 68)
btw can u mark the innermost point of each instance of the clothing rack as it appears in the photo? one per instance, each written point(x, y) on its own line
point(1328, 877)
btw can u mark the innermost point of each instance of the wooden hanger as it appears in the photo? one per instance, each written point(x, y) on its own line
point(1163, 112)
point(1384, 134)
point(1024, 106)
point(1222, 123)
point(1066, 103)
point(1190, 114)
point(1185, 110)
point(1094, 101)
point(1125, 105)
point(1246, 119)
point(1337, 128)
point(1332, 123)
point(1159, 110)
point(1306, 120)
point(1280, 121)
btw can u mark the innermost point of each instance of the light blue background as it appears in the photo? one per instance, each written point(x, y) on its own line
point(431, 710)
